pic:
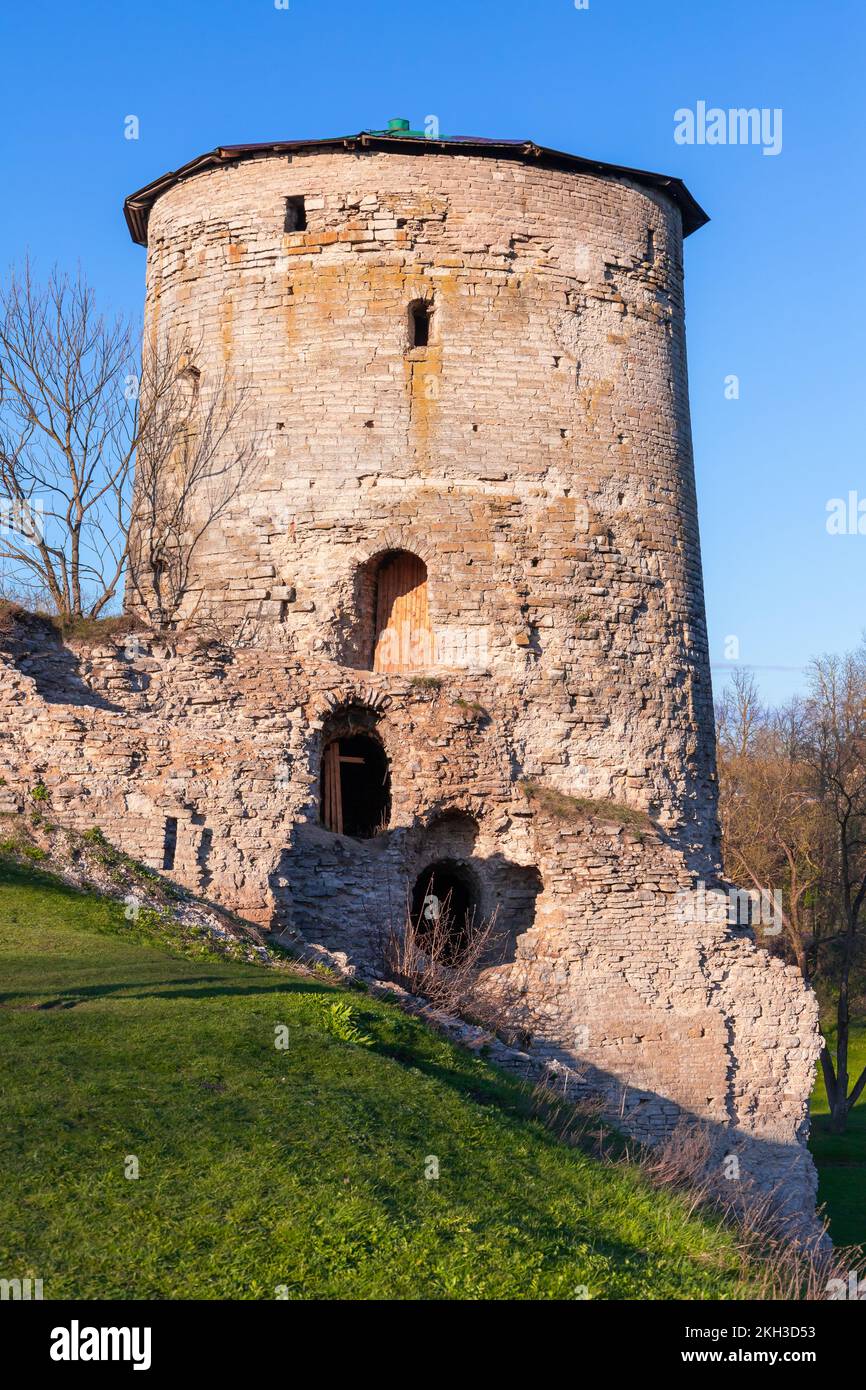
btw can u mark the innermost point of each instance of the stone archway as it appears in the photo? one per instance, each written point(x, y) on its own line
point(355, 786)
point(354, 772)
point(445, 907)
point(389, 627)
point(402, 635)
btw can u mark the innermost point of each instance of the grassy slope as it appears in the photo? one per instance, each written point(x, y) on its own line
point(841, 1160)
point(302, 1167)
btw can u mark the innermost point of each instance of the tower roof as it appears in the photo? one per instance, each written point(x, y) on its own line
point(399, 136)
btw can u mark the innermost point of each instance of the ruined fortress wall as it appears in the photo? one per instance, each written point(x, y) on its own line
point(617, 981)
point(536, 454)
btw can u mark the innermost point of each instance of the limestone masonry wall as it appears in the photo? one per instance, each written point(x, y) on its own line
point(536, 455)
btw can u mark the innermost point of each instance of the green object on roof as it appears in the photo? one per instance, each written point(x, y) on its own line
point(398, 125)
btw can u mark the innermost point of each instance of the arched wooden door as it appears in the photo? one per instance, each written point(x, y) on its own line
point(404, 637)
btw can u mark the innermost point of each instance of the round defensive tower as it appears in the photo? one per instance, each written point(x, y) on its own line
point(455, 649)
point(466, 361)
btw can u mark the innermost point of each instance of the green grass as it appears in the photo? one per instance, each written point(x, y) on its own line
point(841, 1159)
point(303, 1167)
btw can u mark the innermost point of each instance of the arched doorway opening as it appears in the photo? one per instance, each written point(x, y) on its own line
point(445, 908)
point(403, 636)
point(355, 786)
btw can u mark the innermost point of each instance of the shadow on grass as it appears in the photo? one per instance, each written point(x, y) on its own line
point(407, 1042)
point(189, 988)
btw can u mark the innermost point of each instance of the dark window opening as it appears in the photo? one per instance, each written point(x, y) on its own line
point(205, 845)
point(420, 317)
point(650, 245)
point(356, 787)
point(169, 842)
point(444, 905)
point(296, 215)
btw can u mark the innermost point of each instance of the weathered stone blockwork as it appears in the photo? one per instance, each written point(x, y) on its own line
point(536, 455)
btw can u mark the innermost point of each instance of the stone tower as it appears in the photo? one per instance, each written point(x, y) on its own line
point(472, 353)
point(464, 651)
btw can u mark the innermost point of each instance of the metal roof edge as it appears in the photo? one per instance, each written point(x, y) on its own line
point(137, 206)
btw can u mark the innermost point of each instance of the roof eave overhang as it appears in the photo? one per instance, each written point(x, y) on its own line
point(138, 205)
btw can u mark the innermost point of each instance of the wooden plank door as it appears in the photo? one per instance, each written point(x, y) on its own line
point(403, 630)
point(332, 812)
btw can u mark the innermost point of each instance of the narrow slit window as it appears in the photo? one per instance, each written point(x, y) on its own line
point(169, 842)
point(420, 317)
point(205, 846)
point(191, 378)
point(296, 215)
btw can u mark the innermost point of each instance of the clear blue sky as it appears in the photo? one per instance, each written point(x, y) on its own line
point(775, 284)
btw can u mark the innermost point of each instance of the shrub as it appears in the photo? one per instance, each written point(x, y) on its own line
point(338, 1019)
point(473, 709)
point(424, 962)
point(425, 683)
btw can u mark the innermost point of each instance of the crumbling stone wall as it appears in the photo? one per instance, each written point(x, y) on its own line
point(536, 455)
point(617, 989)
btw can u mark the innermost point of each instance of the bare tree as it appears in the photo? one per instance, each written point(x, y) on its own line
point(837, 752)
point(84, 409)
point(196, 452)
point(739, 713)
point(793, 812)
point(66, 449)
point(774, 825)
